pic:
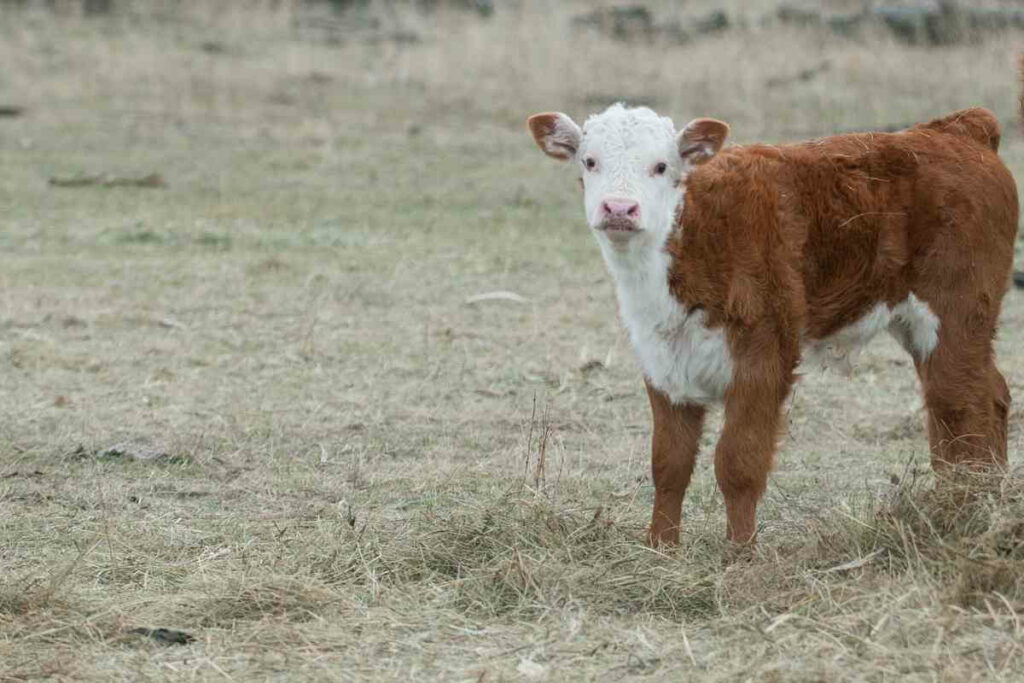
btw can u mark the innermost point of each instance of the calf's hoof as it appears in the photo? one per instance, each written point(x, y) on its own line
point(662, 537)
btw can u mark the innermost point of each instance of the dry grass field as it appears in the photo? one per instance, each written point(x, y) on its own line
point(255, 404)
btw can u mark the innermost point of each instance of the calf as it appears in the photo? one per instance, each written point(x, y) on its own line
point(732, 266)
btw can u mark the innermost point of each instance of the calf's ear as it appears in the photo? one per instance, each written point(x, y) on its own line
point(701, 140)
point(556, 134)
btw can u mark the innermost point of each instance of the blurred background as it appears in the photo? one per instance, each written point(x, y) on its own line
point(776, 67)
point(397, 103)
point(361, 88)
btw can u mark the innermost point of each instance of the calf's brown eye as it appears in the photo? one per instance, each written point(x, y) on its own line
point(660, 168)
point(590, 163)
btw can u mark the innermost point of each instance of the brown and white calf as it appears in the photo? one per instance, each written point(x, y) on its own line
point(731, 265)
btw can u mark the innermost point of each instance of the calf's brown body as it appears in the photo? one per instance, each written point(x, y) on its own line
point(785, 245)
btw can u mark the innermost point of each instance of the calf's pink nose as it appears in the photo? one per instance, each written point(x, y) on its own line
point(621, 208)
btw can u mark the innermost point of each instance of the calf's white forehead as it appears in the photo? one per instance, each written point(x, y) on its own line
point(618, 129)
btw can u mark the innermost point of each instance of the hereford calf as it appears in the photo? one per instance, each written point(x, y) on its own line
point(732, 264)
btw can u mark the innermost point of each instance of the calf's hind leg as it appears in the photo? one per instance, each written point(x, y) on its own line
point(1001, 412)
point(967, 398)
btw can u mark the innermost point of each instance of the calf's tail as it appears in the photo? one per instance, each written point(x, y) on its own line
point(977, 123)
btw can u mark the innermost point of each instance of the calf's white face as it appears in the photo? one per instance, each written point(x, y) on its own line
point(632, 166)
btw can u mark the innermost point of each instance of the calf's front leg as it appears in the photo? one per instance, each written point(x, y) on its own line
point(743, 457)
point(674, 441)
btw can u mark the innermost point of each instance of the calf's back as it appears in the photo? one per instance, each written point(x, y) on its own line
point(813, 235)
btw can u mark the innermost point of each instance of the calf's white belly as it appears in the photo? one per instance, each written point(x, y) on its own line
point(691, 363)
point(911, 322)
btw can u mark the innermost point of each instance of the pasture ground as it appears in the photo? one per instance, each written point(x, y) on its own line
point(254, 405)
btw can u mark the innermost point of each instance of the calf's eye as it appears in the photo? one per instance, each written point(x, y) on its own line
point(660, 168)
point(590, 163)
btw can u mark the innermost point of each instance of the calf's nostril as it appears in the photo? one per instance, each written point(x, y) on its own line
point(621, 208)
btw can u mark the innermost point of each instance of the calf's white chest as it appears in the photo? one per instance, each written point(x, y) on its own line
point(678, 353)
